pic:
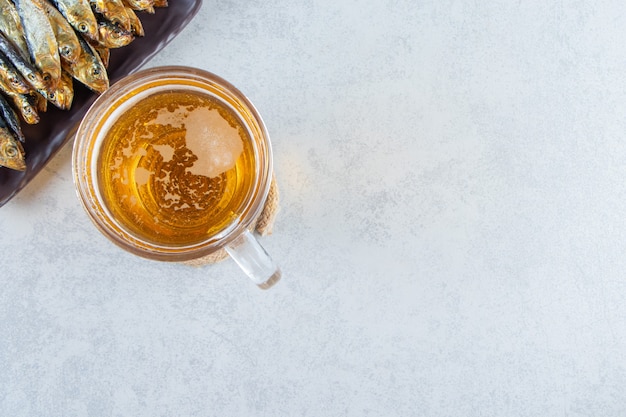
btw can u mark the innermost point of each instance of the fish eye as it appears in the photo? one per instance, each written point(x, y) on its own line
point(31, 76)
point(95, 71)
point(46, 77)
point(65, 50)
point(14, 81)
point(11, 151)
point(51, 95)
point(82, 27)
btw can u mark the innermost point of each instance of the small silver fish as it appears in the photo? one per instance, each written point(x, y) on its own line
point(26, 105)
point(141, 5)
point(79, 14)
point(8, 115)
point(10, 78)
point(12, 153)
point(11, 26)
point(69, 48)
point(113, 36)
point(89, 69)
point(40, 38)
point(63, 95)
point(22, 64)
point(135, 24)
point(112, 10)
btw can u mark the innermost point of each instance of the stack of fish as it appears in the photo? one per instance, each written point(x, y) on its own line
point(45, 45)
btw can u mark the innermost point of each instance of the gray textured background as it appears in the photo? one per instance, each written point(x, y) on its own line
point(452, 230)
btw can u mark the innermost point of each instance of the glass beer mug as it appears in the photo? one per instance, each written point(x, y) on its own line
point(173, 164)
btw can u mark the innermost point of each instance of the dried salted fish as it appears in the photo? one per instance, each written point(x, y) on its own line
point(12, 153)
point(112, 10)
point(89, 69)
point(113, 36)
point(10, 118)
point(41, 40)
point(67, 40)
point(22, 64)
point(79, 14)
point(135, 24)
point(11, 25)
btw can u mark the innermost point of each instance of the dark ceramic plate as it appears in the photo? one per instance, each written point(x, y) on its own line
point(44, 139)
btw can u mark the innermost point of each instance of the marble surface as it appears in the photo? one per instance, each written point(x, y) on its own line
point(452, 229)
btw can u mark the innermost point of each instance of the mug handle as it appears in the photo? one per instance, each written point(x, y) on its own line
point(248, 253)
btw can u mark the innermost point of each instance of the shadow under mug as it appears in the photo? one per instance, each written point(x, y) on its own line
point(174, 163)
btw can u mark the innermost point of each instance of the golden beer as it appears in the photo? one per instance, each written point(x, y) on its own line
point(175, 167)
